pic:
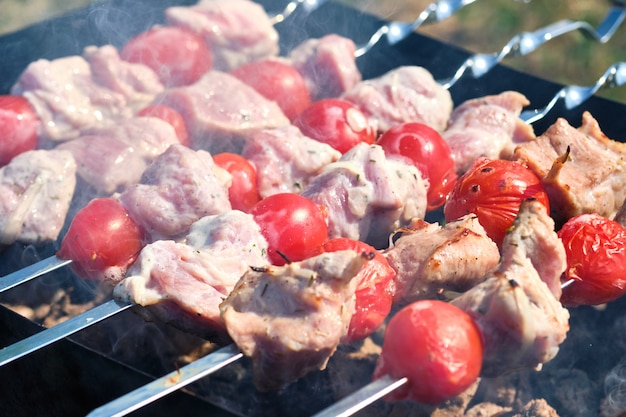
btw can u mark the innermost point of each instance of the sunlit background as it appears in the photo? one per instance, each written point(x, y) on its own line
point(484, 26)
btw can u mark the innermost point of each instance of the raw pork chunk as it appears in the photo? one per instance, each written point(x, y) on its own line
point(487, 126)
point(368, 196)
point(184, 283)
point(327, 64)
point(289, 320)
point(220, 110)
point(36, 189)
point(429, 258)
point(285, 159)
point(521, 320)
point(113, 157)
point(582, 170)
point(180, 187)
point(405, 94)
point(75, 93)
point(236, 31)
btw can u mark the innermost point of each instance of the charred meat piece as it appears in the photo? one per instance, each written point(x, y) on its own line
point(184, 283)
point(289, 320)
point(404, 94)
point(115, 156)
point(487, 126)
point(285, 159)
point(75, 93)
point(367, 195)
point(36, 189)
point(582, 170)
point(177, 189)
point(236, 31)
point(521, 320)
point(429, 258)
point(220, 110)
point(327, 64)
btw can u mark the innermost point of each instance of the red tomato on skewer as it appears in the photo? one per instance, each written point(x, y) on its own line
point(19, 126)
point(169, 115)
point(243, 193)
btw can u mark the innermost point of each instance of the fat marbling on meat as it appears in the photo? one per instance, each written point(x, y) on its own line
point(36, 189)
point(367, 195)
point(429, 258)
point(404, 94)
point(582, 170)
point(487, 126)
point(183, 283)
point(521, 321)
point(75, 93)
point(285, 159)
point(289, 320)
point(178, 188)
point(221, 110)
point(236, 31)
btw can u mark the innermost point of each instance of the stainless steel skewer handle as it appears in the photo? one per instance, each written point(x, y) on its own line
point(525, 43)
point(397, 31)
point(169, 383)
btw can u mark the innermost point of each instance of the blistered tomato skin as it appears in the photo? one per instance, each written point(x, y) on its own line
point(494, 190)
point(336, 122)
point(375, 287)
point(243, 192)
point(428, 152)
point(178, 56)
point(101, 235)
point(596, 260)
point(19, 127)
point(437, 346)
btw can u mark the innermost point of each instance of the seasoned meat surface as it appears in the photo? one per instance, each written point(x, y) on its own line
point(289, 320)
point(178, 188)
point(367, 195)
point(236, 31)
point(582, 170)
point(404, 94)
point(429, 258)
point(36, 189)
point(487, 126)
point(285, 159)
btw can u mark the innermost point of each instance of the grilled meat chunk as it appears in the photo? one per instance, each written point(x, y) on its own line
point(75, 93)
point(367, 195)
point(429, 258)
point(521, 320)
point(487, 126)
point(404, 94)
point(582, 170)
point(177, 189)
point(220, 110)
point(36, 189)
point(289, 320)
point(236, 31)
point(184, 283)
point(285, 159)
point(114, 156)
point(327, 64)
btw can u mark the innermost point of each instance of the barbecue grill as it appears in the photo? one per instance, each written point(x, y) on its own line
point(104, 362)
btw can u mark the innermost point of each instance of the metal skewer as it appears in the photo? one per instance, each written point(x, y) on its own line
point(525, 43)
point(307, 5)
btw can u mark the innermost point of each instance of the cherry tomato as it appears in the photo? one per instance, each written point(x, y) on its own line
point(101, 235)
point(336, 122)
point(178, 56)
point(243, 192)
point(494, 191)
point(279, 82)
point(427, 151)
point(375, 287)
point(19, 126)
point(437, 346)
point(596, 260)
point(171, 116)
point(292, 225)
